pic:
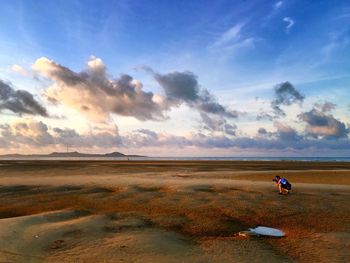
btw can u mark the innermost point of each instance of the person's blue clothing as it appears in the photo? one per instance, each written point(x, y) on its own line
point(285, 184)
point(283, 181)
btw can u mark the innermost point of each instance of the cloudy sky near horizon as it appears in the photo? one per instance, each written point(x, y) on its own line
point(176, 78)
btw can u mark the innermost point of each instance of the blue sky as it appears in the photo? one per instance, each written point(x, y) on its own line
point(240, 52)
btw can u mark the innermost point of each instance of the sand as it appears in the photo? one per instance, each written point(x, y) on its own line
point(162, 211)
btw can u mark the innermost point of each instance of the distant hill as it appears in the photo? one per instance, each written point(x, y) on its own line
point(69, 154)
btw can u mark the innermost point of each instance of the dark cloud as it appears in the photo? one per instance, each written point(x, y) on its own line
point(230, 129)
point(265, 134)
point(286, 133)
point(19, 101)
point(265, 116)
point(179, 86)
point(207, 103)
point(73, 139)
point(149, 133)
point(285, 94)
point(322, 124)
point(326, 106)
point(217, 124)
point(262, 131)
point(183, 87)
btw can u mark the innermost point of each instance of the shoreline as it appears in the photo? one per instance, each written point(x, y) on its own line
point(167, 159)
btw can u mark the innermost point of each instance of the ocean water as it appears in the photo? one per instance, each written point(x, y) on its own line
point(304, 159)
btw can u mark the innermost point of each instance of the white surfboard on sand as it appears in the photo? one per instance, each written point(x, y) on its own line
point(267, 231)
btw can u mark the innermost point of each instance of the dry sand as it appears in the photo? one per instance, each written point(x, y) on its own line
point(141, 211)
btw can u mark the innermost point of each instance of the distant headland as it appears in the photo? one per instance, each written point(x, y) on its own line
point(69, 154)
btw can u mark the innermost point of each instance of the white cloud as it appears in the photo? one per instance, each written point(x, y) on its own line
point(245, 43)
point(337, 42)
point(232, 34)
point(231, 42)
point(18, 69)
point(96, 64)
point(278, 4)
point(290, 22)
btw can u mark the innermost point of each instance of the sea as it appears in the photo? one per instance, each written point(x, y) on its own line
point(304, 159)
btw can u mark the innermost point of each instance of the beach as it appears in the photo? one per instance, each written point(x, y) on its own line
point(172, 211)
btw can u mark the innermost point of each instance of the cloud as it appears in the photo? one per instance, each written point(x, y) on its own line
point(286, 133)
point(232, 41)
point(321, 124)
point(148, 132)
point(217, 124)
point(232, 34)
point(19, 101)
point(284, 138)
point(262, 115)
point(285, 94)
point(28, 133)
point(32, 133)
point(262, 131)
point(102, 139)
point(278, 4)
point(337, 43)
point(18, 69)
point(183, 87)
point(326, 106)
point(142, 138)
point(248, 42)
point(179, 86)
point(96, 96)
point(207, 103)
point(290, 22)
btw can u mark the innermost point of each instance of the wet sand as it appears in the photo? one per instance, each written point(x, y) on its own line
point(172, 211)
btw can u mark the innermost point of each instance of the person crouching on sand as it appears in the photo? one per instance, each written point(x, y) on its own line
point(283, 185)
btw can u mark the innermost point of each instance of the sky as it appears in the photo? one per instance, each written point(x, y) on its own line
point(175, 78)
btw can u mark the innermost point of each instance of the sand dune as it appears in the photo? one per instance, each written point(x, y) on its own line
point(185, 214)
